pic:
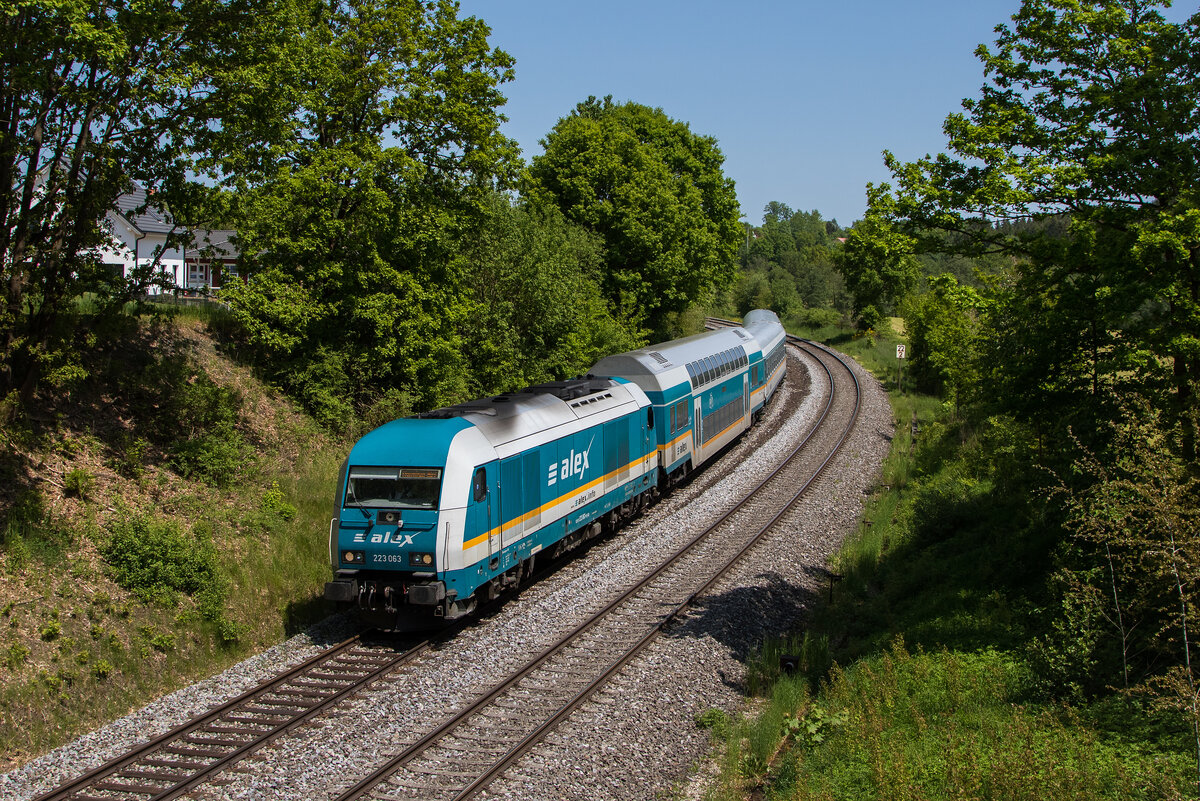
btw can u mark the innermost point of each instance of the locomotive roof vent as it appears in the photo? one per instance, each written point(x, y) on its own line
point(456, 411)
point(658, 357)
point(741, 333)
point(571, 389)
point(593, 399)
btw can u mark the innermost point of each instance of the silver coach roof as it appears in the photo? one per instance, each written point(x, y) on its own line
point(659, 367)
point(758, 320)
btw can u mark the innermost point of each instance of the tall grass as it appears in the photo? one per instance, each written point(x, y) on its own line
point(944, 725)
point(939, 561)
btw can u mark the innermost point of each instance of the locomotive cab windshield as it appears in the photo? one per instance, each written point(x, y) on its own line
point(394, 487)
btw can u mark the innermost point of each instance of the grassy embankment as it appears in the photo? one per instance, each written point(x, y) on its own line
point(914, 682)
point(162, 519)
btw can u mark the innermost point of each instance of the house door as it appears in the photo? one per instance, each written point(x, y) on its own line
point(197, 275)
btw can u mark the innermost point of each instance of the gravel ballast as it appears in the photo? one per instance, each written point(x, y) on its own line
point(638, 737)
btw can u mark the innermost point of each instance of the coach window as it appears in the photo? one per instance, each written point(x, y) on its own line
point(480, 484)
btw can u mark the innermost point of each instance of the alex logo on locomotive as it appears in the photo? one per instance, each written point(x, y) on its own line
point(393, 537)
point(575, 464)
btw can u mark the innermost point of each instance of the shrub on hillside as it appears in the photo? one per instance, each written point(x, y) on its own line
point(816, 318)
point(156, 560)
point(214, 456)
point(209, 446)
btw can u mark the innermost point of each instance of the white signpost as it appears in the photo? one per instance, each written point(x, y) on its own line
point(900, 368)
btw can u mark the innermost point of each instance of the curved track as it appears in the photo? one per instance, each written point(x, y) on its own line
point(464, 753)
point(472, 747)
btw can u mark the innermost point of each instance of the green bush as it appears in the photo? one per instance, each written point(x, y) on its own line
point(871, 319)
point(50, 629)
point(16, 655)
point(79, 482)
point(130, 460)
point(213, 456)
point(815, 318)
point(210, 448)
point(229, 633)
point(156, 560)
point(275, 505)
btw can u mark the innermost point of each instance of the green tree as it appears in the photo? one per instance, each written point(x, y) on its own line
point(539, 312)
point(879, 267)
point(94, 97)
point(944, 328)
point(1076, 171)
point(1089, 116)
point(1138, 509)
point(654, 192)
point(351, 224)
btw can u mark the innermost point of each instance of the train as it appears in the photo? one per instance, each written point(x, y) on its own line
point(440, 512)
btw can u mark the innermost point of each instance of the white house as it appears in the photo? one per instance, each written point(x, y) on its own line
point(140, 239)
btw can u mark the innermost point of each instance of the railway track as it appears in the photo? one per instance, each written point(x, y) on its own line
point(472, 747)
point(189, 755)
point(464, 753)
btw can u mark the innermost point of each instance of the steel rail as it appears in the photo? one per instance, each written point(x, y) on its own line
point(113, 768)
point(415, 749)
point(533, 738)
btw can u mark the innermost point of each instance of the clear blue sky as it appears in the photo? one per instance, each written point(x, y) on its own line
point(802, 96)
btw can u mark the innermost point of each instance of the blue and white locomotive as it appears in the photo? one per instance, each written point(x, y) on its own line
point(439, 512)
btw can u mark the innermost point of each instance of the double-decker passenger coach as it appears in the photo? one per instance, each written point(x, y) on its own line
point(705, 389)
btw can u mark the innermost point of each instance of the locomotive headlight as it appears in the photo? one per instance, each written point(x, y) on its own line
point(420, 559)
point(354, 557)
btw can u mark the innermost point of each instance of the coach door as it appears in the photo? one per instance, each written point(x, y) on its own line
point(698, 434)
point(746, 396)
